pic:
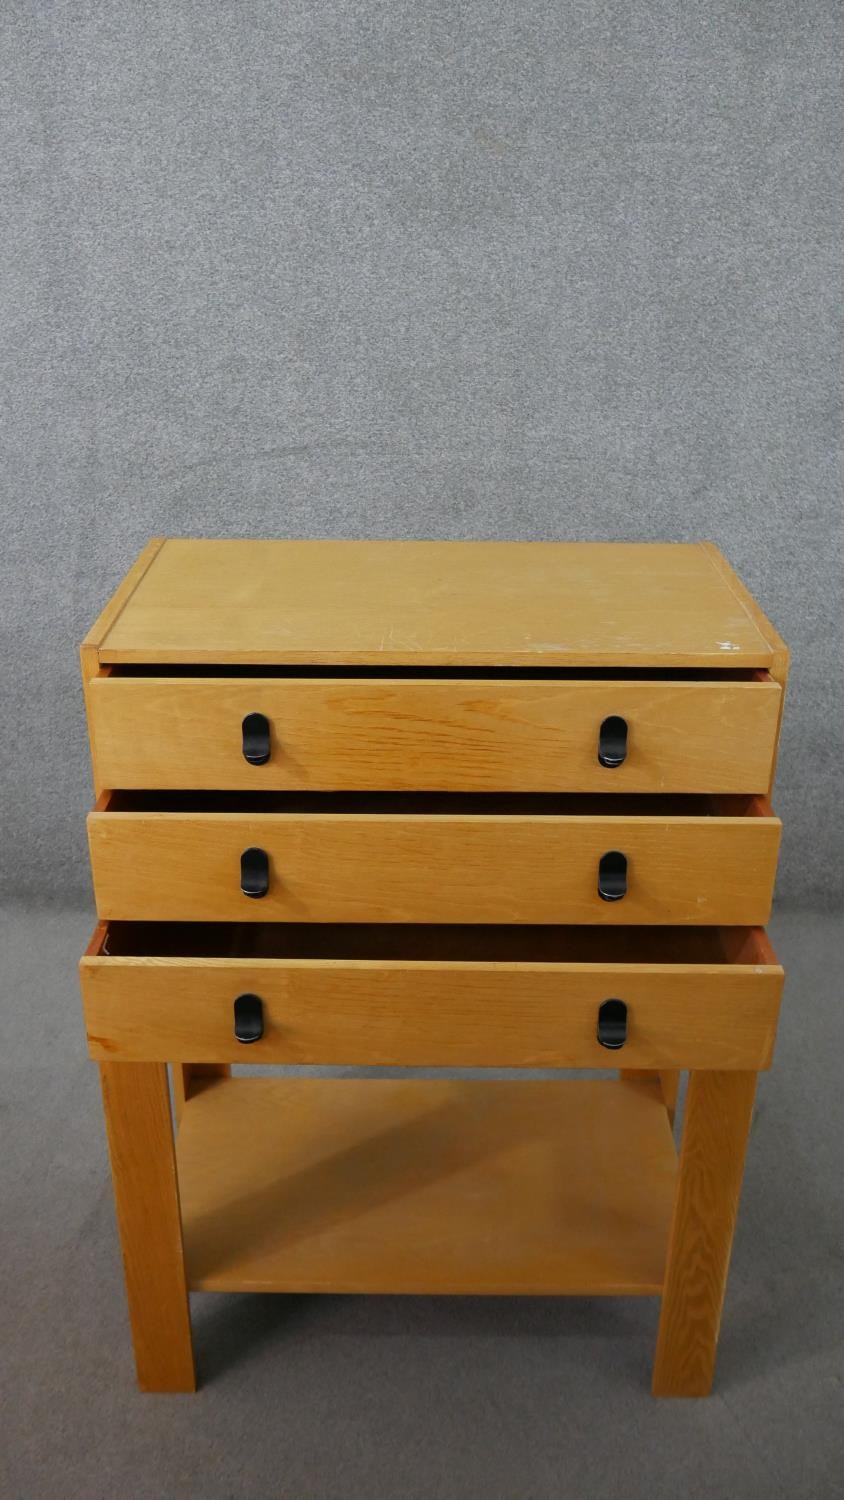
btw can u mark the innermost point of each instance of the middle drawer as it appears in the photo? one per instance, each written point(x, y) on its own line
point(446, 858)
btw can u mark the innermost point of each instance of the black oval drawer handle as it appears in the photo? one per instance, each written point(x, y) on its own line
point(248, 1018)
point(612, 1024)
point(612, 875)
point(256, 739)
point(612, 741)
point(254, 872)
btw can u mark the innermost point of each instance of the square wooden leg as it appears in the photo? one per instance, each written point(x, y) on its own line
point(669, 1082)
point(718, 1112)
point(185, 1073)
point(136, 1100)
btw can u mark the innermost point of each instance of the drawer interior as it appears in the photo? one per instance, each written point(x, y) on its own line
point(234, 672)
point(442, 674)
point(414, 943)
point(449, 804)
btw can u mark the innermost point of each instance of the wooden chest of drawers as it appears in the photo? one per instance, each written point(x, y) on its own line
point(440, 805)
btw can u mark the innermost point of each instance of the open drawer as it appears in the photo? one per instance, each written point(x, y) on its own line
point(259, 730)
point(282, 857)
point(433, 996)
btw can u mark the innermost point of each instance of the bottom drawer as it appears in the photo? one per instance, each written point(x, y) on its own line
point(433, 996)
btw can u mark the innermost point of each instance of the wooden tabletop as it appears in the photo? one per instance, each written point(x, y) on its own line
point(524, 604)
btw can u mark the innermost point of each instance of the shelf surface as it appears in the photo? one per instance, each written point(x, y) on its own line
point(426, 1186)
point(449, 603)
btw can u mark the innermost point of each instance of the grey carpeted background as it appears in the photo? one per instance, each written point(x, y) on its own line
point(409, 268)
point(391, 268)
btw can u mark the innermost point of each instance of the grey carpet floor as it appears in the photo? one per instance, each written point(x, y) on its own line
point(346, 1397)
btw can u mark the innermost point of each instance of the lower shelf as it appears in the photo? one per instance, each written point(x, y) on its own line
point(411, 1186)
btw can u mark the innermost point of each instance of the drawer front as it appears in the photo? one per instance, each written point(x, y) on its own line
point(433, 868)
point(434, 735)
point(377, 1012)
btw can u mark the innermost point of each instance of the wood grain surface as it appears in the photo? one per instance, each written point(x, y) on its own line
point(137, 1113)
point(430, 1013)
point(422, 1186)
point(338, 867)
point(718, 1113)
point(502, 603)
point(429, 735)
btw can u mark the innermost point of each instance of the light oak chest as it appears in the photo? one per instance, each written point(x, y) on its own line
point(431, 804)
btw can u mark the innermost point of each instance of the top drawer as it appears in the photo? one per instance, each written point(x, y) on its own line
point(461, 733)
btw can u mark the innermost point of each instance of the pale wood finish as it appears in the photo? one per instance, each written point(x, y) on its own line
point(111, 611)
point(718, 1113)
point(184, 1074)
point(502, 603)
point(428, 735)
point(668, 1080)
point(410, 1186)
point(137, 1113)
point(92, 672)
point(780, 659)
point(90, 647)
point(346, 1185)
point(388, 1012)
point(340, 867)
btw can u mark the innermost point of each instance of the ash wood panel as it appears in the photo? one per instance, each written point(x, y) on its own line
point(669, 1083)
point(347, 1185)
point(111, 611)
point(437, 1186)
point(184, 1074)
point(780, 659)
point(428, 735)
point(501, 603)
point(435, 1014)
point(432, 868)
point(718, 1113)
point(89, 649)
point(137, 1113)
